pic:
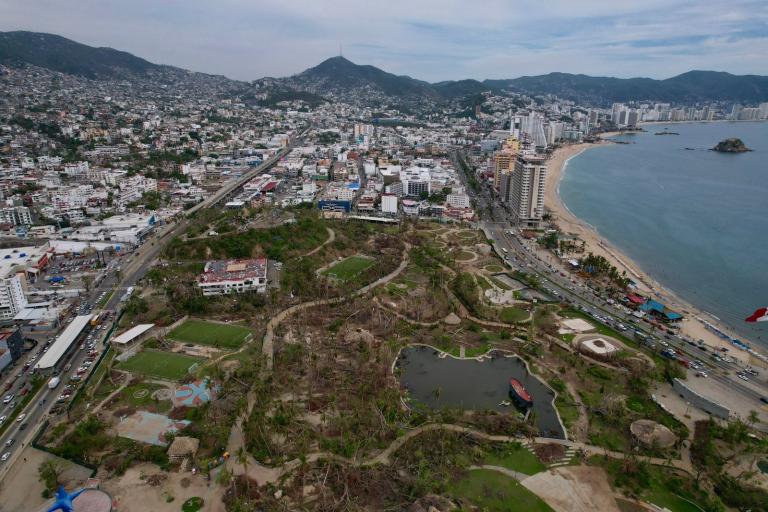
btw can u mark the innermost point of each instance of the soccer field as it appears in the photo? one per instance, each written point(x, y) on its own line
point(164, 365)
point(209, 333)
point(349, 268)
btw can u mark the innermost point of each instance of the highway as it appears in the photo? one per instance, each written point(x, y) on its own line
point(522, 256)
point(139, 262)
point(132, 268)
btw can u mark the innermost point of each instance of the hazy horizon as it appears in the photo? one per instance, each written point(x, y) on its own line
point(431, 41)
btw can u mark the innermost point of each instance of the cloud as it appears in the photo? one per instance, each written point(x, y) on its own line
point(427, 39)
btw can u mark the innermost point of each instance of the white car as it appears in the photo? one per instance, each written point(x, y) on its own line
point(21, 418)
point(7, 399)
point(6, 456)
point(743, 377)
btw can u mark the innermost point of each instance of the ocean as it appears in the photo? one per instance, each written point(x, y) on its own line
point(694, 220)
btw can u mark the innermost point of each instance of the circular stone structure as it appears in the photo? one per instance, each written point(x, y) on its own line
point(162, 394)
point(650, 433)
point(598, 348)
point(91, 500)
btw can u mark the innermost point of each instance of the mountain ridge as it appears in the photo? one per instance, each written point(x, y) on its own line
point(340, 77)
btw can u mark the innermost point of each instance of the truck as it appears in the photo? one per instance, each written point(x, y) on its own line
point(53, 382)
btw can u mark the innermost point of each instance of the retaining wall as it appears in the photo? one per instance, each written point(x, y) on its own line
point(705, 404)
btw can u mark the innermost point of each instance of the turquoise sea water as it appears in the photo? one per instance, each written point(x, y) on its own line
point(695, 220)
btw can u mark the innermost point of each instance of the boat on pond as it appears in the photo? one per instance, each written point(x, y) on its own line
point(519, 394)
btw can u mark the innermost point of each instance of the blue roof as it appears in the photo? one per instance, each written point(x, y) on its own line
point(673, 316)
point(652, 305)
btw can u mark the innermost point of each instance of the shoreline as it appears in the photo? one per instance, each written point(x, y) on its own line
point(695, 322)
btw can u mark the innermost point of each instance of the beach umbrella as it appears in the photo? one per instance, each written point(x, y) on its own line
point(761, 315)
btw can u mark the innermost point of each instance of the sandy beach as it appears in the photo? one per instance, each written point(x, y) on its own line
point(692, 326)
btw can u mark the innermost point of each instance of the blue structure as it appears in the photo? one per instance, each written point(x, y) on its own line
point(64, 500)
point(652, 306)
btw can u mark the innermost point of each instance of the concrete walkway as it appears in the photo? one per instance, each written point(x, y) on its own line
point(258, 472)
point(504, 471)
point(267, 345)
point(263, 474)
point(331, 238)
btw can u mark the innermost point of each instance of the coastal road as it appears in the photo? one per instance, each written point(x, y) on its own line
point(522, 256)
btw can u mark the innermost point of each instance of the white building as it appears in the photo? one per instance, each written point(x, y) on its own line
point(458, 200)
point(222, 277)
point(16, 265)
point(17, 216)
point(527, 195)
point(389, 203)
point(12, 299)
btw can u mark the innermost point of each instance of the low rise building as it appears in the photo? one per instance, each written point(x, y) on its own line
point(222, 277)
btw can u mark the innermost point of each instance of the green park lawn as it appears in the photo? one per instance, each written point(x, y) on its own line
point(517, 458)
point(512, 315)
point(349, 268)
point(163, 365)
point(490, 490)
point(464, 256)
point(659, 486)
point(209, 333)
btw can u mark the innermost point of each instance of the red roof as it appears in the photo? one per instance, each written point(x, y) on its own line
point(269, 187)
point(635, 299)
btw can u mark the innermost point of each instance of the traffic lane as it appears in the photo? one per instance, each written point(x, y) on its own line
point(676, 342)
point(532, 261)
point(34, 410)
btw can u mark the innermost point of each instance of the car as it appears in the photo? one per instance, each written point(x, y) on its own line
point(10, 442)
point(743, 377)
point(23, 426)
point(6, 456)
point(702, 374)
point(8, 399)
point(764, 399)
point(21, 417)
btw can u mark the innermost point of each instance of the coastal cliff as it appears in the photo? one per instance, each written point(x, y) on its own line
point(733, 145)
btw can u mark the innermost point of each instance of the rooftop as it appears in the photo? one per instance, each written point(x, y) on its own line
point(132, 333)
point(63, 342)
point(233, 270)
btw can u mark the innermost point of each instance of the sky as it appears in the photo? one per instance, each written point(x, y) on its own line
point(426, 39)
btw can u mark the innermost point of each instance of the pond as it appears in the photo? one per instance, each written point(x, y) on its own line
point(438, 380)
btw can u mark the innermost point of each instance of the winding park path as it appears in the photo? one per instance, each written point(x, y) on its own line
point(263, 474)
point(267, 345)
point(266, 474)
point(236, 439)
point(331, 238)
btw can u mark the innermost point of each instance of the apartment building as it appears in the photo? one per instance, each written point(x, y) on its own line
point(527, 194)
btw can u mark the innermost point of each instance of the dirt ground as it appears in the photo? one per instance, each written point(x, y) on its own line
point(133, 494)
point(21, 491)
point(574, 489)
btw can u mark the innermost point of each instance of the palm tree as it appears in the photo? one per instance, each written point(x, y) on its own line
point(753, 418)
point(242, 458)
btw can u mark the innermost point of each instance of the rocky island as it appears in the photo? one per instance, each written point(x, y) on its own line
point(733, 145)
